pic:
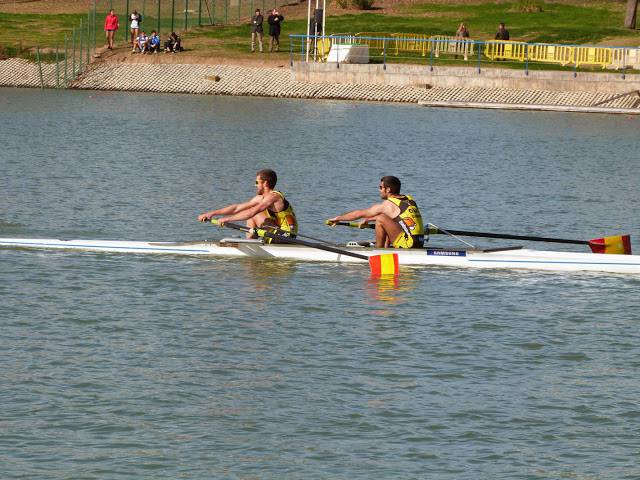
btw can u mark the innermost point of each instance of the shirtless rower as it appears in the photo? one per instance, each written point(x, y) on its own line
point(268, 207)
point(397, 217)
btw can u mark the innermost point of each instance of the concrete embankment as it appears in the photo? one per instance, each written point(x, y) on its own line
point(406, 84)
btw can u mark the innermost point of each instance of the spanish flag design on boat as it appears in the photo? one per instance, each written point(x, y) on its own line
point(386, 264)
point(618, 244)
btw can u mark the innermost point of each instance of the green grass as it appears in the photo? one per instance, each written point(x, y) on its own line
point(597, 22)
point(556, 23)
point(21, 31)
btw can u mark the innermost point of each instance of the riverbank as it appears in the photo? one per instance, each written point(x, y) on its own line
point(399, 83)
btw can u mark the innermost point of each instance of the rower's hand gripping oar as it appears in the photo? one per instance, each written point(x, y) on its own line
point(617, 244)
point(386, 264)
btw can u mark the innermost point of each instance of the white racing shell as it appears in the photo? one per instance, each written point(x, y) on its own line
point(508, 258)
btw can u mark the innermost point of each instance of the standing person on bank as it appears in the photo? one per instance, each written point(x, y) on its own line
point(463, 31)
point(268, 207)
point(275, 20)
point(110, 27)
point(256, 30)
point(398, 219)
point(136, 18)
point(502, 33)
point(463, 34)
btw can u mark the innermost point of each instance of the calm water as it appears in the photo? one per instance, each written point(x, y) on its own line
point(126, 366)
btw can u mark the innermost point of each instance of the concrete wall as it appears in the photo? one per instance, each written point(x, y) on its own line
point(465, 77)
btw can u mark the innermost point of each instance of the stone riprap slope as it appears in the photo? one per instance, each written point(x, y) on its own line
point(279, 82)
point(18, 72)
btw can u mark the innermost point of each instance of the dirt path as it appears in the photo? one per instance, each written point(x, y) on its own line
point(45, 6)
point(123, 54)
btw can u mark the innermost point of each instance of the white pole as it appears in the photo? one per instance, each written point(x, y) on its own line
point(324, 16)
point(308, 24)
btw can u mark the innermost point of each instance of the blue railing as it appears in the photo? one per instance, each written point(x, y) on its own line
point(431, 49)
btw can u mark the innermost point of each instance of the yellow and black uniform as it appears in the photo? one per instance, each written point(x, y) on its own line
point(410, 219)
point(285, 219)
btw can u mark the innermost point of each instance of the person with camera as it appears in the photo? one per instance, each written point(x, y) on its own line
point(274, 20)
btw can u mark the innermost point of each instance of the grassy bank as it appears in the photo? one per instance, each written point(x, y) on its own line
point(565, 22)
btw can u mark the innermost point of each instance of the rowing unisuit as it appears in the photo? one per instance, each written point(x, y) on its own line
point(285, 219)
point(410, 220)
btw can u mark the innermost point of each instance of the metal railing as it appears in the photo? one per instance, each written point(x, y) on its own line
point(436, 48)
point(166, 16)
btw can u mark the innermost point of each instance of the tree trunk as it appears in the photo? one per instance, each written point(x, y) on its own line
point(630, 17)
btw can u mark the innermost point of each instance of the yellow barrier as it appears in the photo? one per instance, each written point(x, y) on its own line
point(625, 58)
point(593, 56)
point(550, 53)
point(612, 57)
point(451, 45)
point(378, 40)
point(411, 42)
point(323, 45)
point(621, 58)
point(505, 50)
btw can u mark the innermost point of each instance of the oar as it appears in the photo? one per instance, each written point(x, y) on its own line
point(279, 231)
point(617, 244)
point(385, 264)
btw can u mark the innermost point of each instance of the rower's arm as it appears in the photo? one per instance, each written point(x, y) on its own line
point(252, 209)
point(368, 213)
point(229, 209)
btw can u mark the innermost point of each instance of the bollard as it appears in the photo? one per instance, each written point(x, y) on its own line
point(384, 53)
point(431, 58)
point(290, 51)
point(39, 67)
point(57, 69)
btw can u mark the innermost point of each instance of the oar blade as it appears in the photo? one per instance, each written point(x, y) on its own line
point(617, 244)
point(385, 264)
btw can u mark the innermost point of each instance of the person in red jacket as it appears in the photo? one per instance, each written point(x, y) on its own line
point(110, 26)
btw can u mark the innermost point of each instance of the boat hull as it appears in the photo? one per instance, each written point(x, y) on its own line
point(459, 258)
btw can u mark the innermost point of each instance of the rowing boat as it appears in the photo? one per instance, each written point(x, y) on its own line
point(504, 258)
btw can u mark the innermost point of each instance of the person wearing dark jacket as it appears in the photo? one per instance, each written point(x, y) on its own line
point(502, 33)
point(173, 44)
point(256, 30)
point(274, 20)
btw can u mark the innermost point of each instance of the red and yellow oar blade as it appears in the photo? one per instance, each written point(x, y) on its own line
point(617, 244)
point(386, 264)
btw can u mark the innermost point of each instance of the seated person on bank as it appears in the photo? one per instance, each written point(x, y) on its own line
point(154, 43)
point(173, 44)
point(398, 219)
point(142, 43)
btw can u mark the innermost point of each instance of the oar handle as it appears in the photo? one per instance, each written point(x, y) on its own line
point(350, 224)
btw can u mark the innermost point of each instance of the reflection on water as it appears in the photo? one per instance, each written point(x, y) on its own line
point(263, 274)
point(392, 289)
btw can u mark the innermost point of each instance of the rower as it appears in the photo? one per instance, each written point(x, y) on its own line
point(397, 217)
point(268, 208)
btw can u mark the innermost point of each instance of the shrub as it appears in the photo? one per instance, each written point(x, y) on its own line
point(363, 4)
point(529, 6)
point(359, 4)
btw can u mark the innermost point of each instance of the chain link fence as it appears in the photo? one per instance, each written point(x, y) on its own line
point(58, 67)
point(166, 16)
